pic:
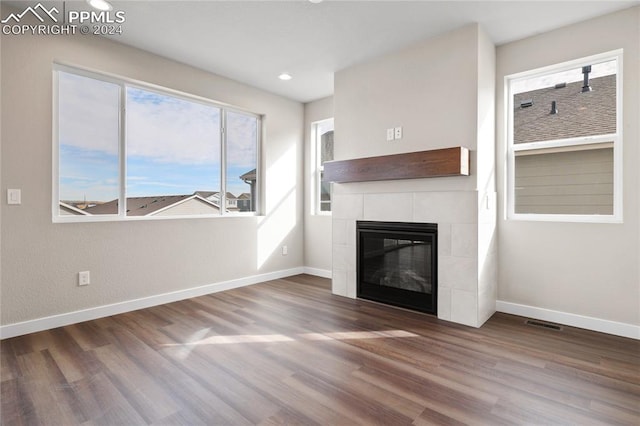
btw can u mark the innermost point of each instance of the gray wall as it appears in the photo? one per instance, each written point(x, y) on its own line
point(317, 228)
point(579, 268)
point(130, 260)
point(441, 91)
point(429, 88)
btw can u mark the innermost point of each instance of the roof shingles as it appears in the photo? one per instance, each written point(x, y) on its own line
point(138, 206)
point(579, 114)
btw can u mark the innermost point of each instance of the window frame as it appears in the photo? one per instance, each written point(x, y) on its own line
point(318, 168)
point(565, 144)
point(123, 83)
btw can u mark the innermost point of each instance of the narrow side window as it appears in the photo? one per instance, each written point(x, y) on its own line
point(322, 132)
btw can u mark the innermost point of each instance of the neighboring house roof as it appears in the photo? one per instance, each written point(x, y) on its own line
point(216, 194)
point(579, 114)
point(188, 206)
point(206, 194)
point(68, 209)
point(137, 206)
point(147, 206)
point(249, 176)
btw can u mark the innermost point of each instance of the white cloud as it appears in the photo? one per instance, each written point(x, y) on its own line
point(172, 130)
point(160, 128)
point(550, 80)
point(241, 140)
point(89, 111)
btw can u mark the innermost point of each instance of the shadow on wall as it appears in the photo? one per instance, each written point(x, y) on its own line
point(280, 218)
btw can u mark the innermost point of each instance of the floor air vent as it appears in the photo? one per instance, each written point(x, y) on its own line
point(541, 324)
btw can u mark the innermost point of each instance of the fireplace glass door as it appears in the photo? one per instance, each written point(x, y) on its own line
point(397, 264)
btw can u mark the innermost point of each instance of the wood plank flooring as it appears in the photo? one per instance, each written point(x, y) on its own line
point(289, 352)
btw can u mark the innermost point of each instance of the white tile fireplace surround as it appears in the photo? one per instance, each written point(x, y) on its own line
point(467, 259)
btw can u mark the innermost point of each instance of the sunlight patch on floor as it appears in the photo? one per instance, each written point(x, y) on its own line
point(346, 335)
point(279, 338)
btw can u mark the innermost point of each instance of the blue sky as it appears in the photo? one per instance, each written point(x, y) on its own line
point(173, 144)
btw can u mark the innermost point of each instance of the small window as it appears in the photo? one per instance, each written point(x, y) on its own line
point(129, 151)
point(564, 147)
point(88, 144)
point(242, 159)
point(322, 132)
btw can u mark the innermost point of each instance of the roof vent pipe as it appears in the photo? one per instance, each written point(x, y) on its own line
point(554, 110)
point(585, 83)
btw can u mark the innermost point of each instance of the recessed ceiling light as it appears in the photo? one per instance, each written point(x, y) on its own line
point(100, 4)
point(285, 76)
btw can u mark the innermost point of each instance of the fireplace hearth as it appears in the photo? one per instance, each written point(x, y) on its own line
point(397, 264)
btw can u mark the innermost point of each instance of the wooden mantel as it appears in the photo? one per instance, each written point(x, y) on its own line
point(412, 165)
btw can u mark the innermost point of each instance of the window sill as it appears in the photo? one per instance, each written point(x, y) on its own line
point(111, 218)
point(565, 218)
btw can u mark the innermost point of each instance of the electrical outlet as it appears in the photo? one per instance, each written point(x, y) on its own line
point(390, 135)
point(398, 132)
point(285, 250)
point(84, 278)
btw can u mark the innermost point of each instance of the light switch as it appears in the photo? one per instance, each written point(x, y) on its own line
point(14, 196)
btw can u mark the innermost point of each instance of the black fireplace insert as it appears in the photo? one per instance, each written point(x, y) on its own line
point(397, 264)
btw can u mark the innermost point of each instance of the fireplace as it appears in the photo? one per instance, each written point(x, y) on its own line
point(397, 264)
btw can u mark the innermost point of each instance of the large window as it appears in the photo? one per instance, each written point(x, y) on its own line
point(127, 150)
point(322, 135)
point(564, 142)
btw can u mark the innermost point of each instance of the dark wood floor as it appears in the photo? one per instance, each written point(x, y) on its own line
point(288, 352)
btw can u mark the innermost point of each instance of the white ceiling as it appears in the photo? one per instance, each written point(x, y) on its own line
point(254, 41)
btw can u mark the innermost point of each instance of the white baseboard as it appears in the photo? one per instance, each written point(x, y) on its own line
point(324, 273)
point(46, 323)
point(589, 323)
